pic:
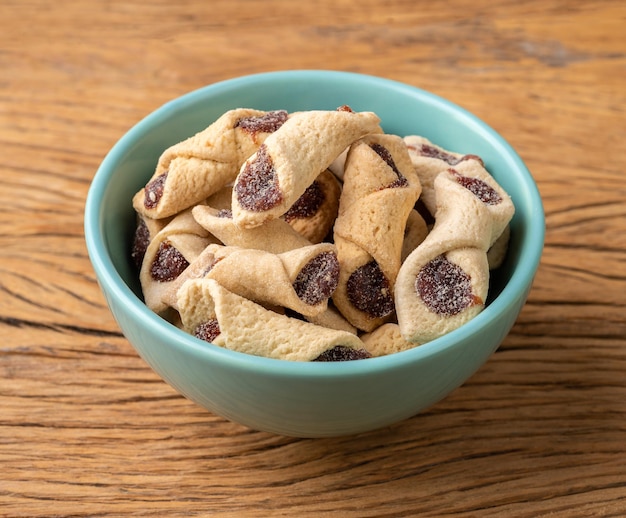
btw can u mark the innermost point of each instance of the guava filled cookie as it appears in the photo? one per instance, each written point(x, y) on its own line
point(168, 255)
point(291, 158)
point(379, 191)
point(444, 282)
point(212, 313)
point(192, 170)
point(313, 214)
point(301, 280)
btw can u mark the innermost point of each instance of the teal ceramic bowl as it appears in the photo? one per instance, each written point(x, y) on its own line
point(309, 399)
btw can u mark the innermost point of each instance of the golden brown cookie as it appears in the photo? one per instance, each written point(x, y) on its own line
point(444, 282)
point(291, 158)
point(469, 170)
point(301, 280)
point(192, 170)
point(379, 191)
point(168, 255)
point(211, 312)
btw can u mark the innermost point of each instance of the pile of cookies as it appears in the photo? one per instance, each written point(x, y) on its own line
point(315, 236)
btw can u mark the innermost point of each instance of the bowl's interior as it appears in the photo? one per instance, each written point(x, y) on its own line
point(403, 110)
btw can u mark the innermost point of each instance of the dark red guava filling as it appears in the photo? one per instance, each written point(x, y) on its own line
point(168, 264)
point(267, 123)
point(225, 213)
point(207, 331)
point(482, 190)
point(369, 291)
point(433, 152)
point(141, 240)
point(384, 153)
point(257, 186)
point(318, 278)
point(444, 287)
point(342, 353)
point(307, 204)
point(154, 191)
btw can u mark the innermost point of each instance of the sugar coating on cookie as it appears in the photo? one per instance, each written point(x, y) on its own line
point(191, 170)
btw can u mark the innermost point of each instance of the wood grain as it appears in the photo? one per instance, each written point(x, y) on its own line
point(87, 429)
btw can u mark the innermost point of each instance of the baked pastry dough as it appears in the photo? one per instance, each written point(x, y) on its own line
point(221, 199)
point(291, 158)
point(430, 160)
point(379, 191)
point(301, 280)
point(472, 175)
point(192, 170)
point(385, 340)
point(332, 319)
point(169, 253)
point(211, 312)
point(444, 282)
point(274, 236)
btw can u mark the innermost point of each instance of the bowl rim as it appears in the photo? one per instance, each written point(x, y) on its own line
point(106, 273)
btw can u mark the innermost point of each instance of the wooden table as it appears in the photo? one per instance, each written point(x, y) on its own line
point(87, 429)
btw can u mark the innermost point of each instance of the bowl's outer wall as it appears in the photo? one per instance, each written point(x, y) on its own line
point(308, 400)
point(312, 405)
